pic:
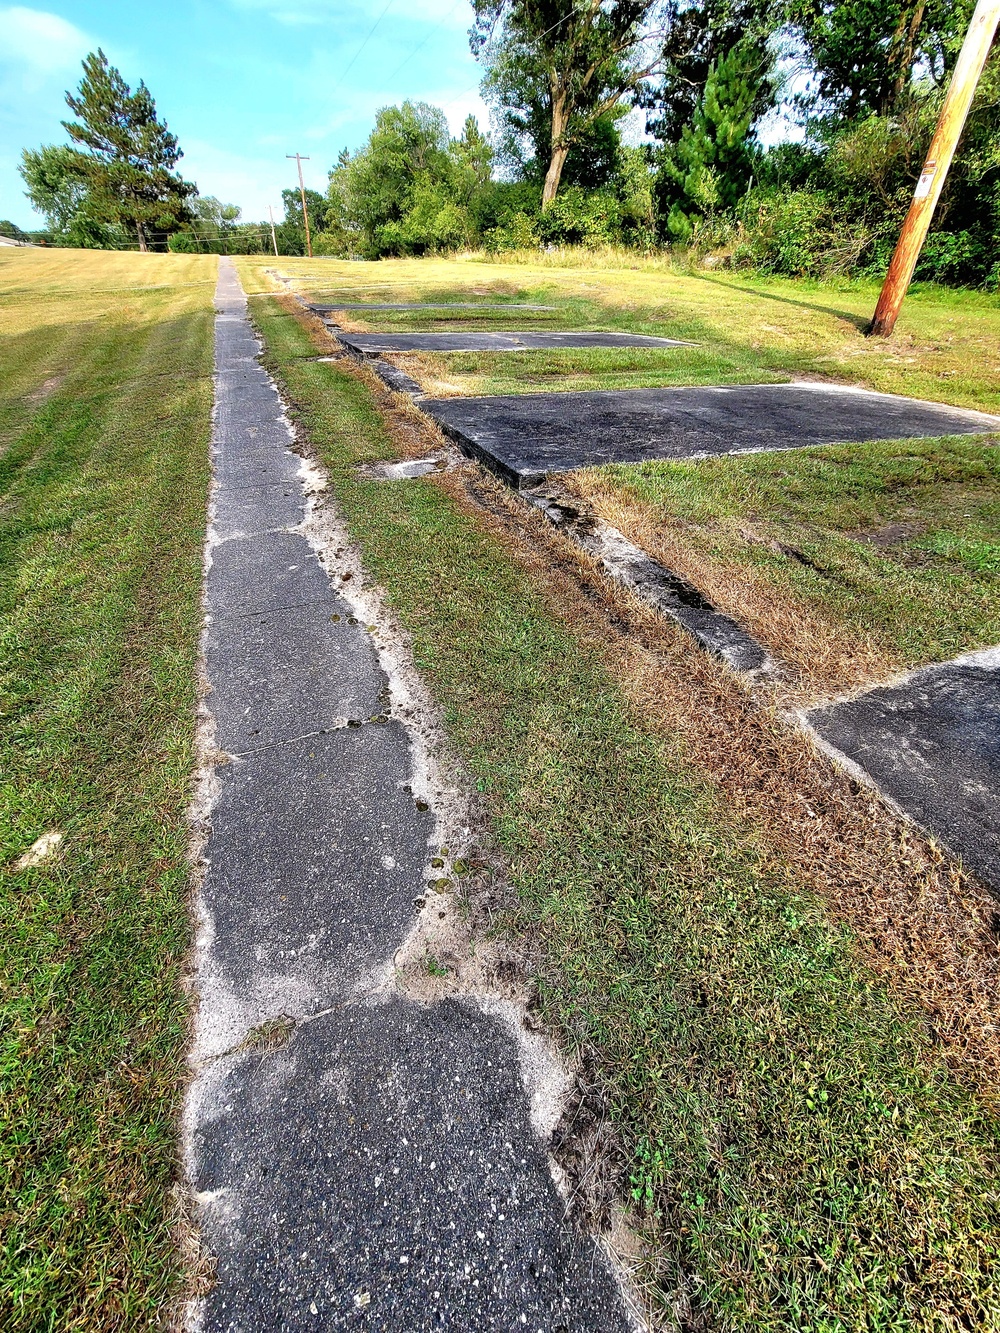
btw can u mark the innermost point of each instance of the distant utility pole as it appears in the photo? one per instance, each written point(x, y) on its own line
point(951, 122)
point(274, 239)
point(302, 191)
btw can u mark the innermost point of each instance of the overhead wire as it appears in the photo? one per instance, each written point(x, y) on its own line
point(420, 45)
point(357, 53)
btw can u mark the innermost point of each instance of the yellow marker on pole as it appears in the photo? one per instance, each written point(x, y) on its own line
point(951, 122)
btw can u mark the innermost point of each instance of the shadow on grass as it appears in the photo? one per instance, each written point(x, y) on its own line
point(859, 322)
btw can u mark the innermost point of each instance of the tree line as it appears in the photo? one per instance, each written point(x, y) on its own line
point(569, 83)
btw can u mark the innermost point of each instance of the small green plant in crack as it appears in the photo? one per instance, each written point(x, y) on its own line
point(434, 968)
point(270, 1036)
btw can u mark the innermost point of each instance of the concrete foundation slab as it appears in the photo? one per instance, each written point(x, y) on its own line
point(358, 1159)
point(523, 438)
point(249, 510)
point(374, 344)
point(267, 572)
point(284, 884)
point(288, 672)
point(932, 744)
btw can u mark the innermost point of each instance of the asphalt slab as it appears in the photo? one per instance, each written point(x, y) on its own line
point(524, 438)
point(932, 744)
point(374, 344)
point(358, 1159)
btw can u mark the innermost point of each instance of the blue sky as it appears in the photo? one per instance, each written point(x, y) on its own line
point(241, 82)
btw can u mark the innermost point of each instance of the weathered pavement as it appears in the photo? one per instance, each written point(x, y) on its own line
point(931, 742)
point(358, 1159)
point(372, 344)
point(525, 437)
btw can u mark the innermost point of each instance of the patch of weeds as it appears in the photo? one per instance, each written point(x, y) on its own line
point(271, 1035)
point(896, 543)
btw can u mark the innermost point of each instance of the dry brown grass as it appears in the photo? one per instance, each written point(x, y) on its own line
point(825, 656)
point(924, 924)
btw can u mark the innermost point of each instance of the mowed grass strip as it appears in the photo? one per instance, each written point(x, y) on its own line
point(795, 1145)
point(946, 346)
point(893, 545)
point(104, 426)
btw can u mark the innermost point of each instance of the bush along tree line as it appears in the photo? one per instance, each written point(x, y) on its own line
point(860, 82)
point(699, 86)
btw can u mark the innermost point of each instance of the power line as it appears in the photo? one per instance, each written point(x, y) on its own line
point(357, 53)
point(420, 45)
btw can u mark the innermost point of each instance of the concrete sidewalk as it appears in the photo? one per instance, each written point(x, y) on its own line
point(359, 1159)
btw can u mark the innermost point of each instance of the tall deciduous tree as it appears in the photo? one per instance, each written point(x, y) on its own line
point(576, 60)
point(57, 183)
point(865, 53)
point(408, 190)
point(129, 153)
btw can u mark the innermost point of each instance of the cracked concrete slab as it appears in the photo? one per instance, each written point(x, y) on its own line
point(289, 668)
point(374, 344)
point(264, 572)
point(445, 1215)
point(931, 743)
point(358, 1158)
point(251, 510)
point(526, 437)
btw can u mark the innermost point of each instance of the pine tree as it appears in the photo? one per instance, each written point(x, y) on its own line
point(710, 166)
point(131, 154)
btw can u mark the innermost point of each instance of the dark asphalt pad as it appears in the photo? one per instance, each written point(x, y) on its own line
point(264, 573)
point(300, 898)
point(372, 344)
point(523, 438)
point(248, 510)
point(394, 1142)
point(933, 746)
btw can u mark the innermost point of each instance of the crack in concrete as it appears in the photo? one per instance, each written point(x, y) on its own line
point(308, 956)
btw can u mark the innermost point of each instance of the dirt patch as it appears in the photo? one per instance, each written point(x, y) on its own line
point(46, 389)
point(892, 534)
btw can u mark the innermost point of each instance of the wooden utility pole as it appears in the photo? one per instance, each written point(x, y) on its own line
point(951, 122)
point(274, 239)
point(302, 191)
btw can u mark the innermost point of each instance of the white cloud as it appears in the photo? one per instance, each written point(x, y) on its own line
point(251, 182)
point(40, 42)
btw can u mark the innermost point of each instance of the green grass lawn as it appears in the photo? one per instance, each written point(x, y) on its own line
point(104, 423)
point(946, 346)
point(894, 545)
point(794, 1144)
point(849, 563)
